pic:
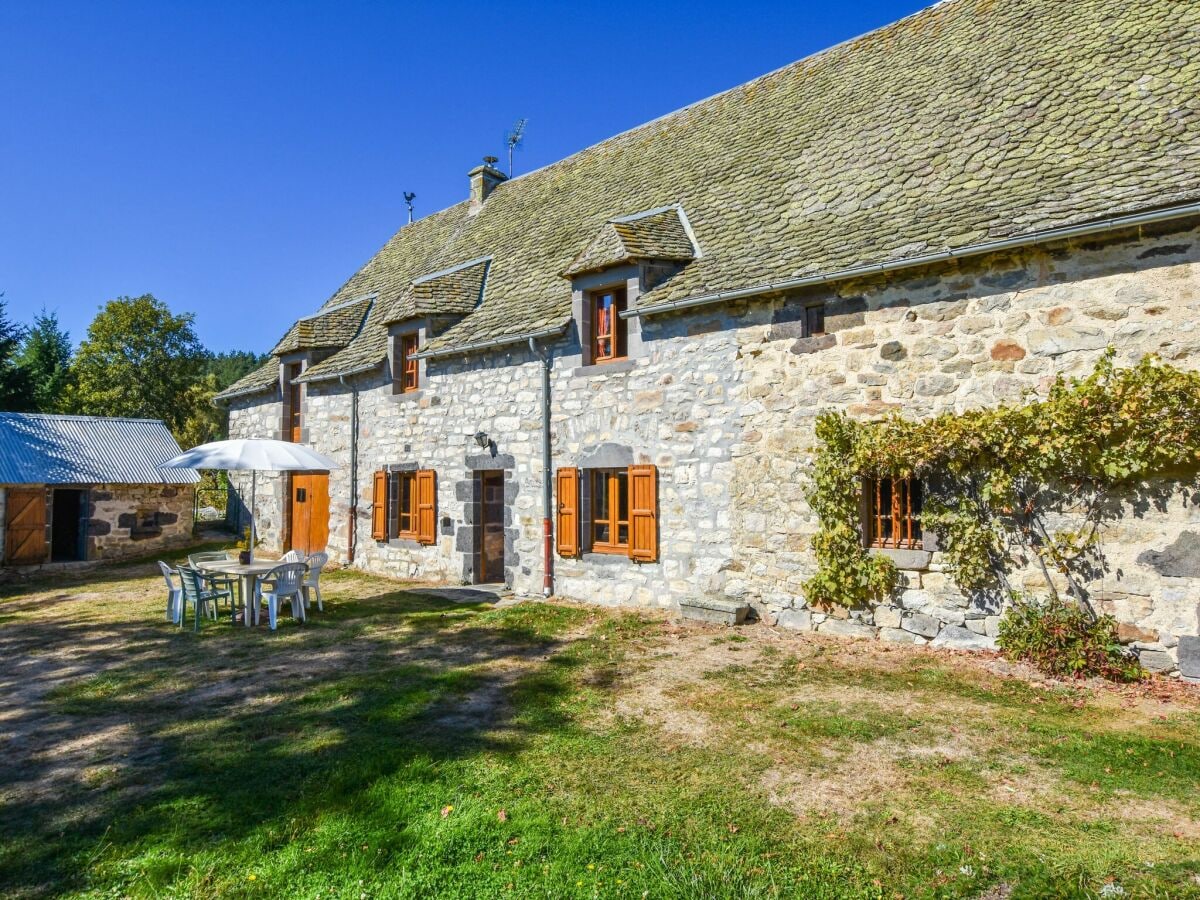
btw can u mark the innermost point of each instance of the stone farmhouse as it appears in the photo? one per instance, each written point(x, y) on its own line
point(600, 378)
point(78, 489)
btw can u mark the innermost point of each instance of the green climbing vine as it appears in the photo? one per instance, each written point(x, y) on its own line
point(1000, 482)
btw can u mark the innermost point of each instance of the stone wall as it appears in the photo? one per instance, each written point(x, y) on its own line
point(670, 407)
point(723, 400)
point(113, 530)
point(980, 332)
point(261, 416)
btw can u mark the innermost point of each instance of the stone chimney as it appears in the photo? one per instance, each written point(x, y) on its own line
point(483, 181)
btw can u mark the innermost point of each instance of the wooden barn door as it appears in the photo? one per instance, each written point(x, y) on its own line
point(310, 511)
point(25, 527)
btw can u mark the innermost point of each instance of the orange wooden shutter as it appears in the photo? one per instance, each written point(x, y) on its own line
point(567, 526)
point(643, 513)
point(426, 506)
point(379, 507)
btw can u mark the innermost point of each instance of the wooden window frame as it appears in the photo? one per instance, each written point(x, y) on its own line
point(893, 513)
point(607, 483)
point(617, 335)
point(293, 404)
point(402, 522)
point(406, 374)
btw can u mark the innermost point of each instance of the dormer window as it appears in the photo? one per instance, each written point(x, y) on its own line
point(609, 331)
point(407, 369)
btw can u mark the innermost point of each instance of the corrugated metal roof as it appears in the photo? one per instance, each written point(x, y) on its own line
point(44, 449)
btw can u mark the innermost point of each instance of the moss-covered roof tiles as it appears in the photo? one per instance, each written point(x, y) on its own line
point(972, 120)
point(659, 234)
point(332, 327)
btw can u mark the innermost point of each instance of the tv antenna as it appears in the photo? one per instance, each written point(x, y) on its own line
point(513, 139)
point(409, 197)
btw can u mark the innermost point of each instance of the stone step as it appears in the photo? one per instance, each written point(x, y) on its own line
point(717, 612)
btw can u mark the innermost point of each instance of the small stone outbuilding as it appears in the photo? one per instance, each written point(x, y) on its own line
point(79, 489)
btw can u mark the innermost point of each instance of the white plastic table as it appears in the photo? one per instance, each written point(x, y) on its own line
point(249, 573)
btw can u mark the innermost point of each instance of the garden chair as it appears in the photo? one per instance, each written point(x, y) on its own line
point(292, 556)
point(216, 581)
point(174, 593)
point(195, 591)
point(284, 582)
point(312, 580)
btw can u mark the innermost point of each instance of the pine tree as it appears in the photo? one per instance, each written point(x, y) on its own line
point(15, 389)
point(46, 358)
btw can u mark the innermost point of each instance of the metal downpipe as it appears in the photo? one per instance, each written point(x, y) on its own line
point(547, 493)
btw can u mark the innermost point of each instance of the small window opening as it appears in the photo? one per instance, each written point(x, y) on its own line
point(609, 330)
point(894, 513)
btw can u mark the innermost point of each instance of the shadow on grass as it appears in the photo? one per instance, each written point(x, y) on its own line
point(121, 734)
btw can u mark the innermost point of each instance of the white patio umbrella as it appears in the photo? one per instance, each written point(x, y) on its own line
point(256, 455)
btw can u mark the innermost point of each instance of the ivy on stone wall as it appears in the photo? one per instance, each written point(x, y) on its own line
point(1009, 487)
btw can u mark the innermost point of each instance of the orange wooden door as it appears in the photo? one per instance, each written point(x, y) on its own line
point(25, 527)
point(310, 512)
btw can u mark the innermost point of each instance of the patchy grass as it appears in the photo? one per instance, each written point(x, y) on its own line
point(401, 745)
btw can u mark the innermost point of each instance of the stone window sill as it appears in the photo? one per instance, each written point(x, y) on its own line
point(591, 556)
point(405, 544)
point(912, 560)
point(408, 396)
point(608, 368)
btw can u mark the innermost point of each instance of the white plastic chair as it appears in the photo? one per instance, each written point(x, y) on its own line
point(174, 593)
point(312, 580)
point(283, 582)
point(292, 556)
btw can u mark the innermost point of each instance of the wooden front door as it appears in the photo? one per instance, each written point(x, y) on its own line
point(25, 527)
point(491, 527)
point(309, 512)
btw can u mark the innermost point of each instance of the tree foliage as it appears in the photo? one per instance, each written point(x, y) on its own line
point(15, 392)
point(999, 482)
point(139, 359)
point(46, 359)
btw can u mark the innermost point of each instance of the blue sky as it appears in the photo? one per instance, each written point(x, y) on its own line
point(241, 160)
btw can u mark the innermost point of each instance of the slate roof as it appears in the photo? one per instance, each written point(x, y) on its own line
point(264, 378)
point(657, 234)
point(333, 327)
point(455, 291)
point(972, 120)
point(45, 449)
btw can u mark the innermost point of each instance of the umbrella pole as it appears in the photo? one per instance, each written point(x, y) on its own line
point(253, 493)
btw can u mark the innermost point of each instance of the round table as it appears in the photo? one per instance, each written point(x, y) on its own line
point(249, 573)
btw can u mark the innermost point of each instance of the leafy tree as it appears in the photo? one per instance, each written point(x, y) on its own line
point(139, 359)
point(14, 381)
point(46, 359)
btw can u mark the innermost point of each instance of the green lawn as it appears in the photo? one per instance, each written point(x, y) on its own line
point(399, 745)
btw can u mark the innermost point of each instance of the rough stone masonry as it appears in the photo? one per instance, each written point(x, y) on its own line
point(723, 400)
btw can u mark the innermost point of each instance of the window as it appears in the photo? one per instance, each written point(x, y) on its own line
point(293, 407)
point(404, 505)
point(814, 320)
point(145, 521)
point(621, 517)
point(894, 513)
point(610, 511)
point(609, 330)
point(407, 369)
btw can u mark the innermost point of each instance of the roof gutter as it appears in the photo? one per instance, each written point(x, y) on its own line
point(1115, 223)
point(333, 376)
point(507, 340)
